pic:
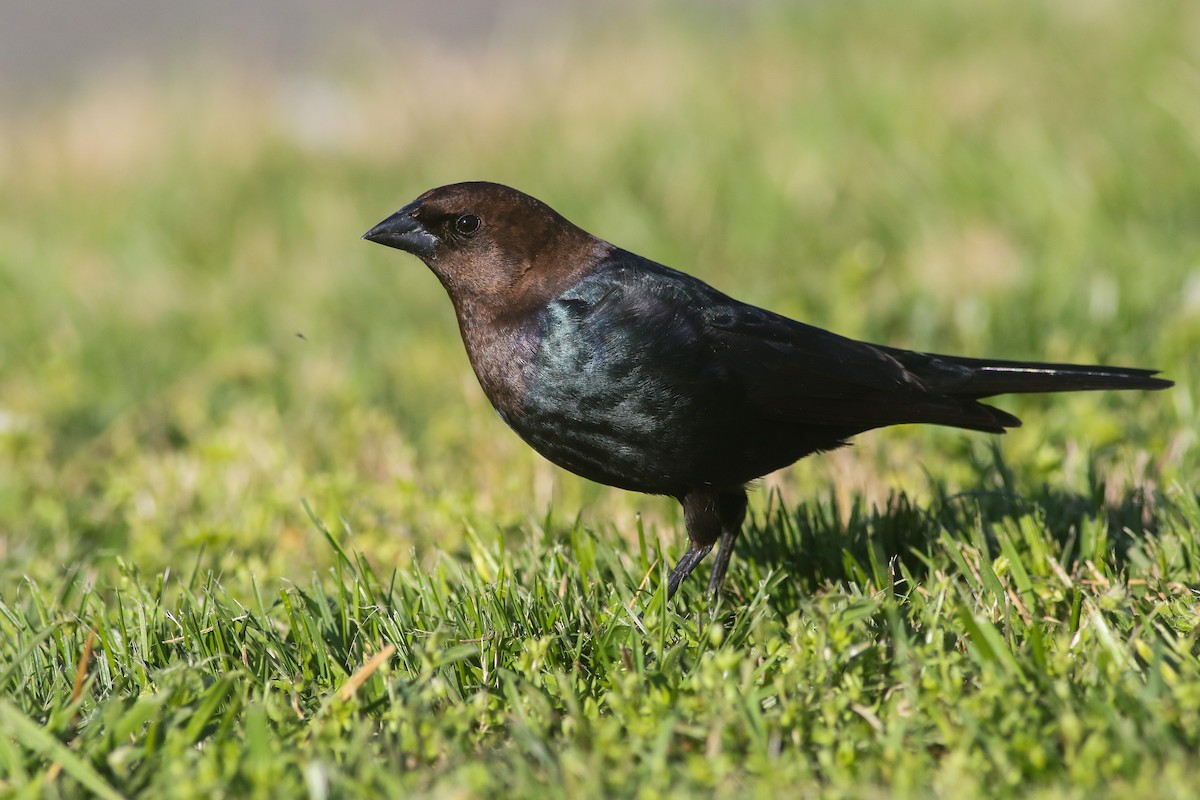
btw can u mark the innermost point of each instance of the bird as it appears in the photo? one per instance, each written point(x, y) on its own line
point(638, 376)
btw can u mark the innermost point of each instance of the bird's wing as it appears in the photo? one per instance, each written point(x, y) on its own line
point(799, 373)
point(761, 364)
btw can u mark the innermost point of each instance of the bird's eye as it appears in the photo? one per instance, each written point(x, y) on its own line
point(467, 224)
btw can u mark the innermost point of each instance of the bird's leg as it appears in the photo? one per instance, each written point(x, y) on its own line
point(711, 516)
point(731, 507)
point(694, 555)
point(717, 579)
point(703, 521)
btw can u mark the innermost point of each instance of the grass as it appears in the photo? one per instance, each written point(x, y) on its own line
point(261, 535)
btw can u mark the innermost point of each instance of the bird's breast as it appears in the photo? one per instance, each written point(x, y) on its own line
point(593, 403)
point(502, 357)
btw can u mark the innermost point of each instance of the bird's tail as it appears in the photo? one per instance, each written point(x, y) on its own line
point(977, 378)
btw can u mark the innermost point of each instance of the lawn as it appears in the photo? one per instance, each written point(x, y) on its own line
point(261, 534)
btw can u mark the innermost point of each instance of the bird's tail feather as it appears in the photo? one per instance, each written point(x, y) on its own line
point(978, 378)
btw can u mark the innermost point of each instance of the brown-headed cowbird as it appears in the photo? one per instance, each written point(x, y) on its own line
point(635, 375)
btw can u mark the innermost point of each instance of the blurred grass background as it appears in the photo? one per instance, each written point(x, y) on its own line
point(193, 339)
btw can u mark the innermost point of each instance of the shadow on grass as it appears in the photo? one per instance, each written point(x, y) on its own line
point(817, 544)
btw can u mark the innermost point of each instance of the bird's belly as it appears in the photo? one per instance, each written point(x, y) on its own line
point(617, 423)
point(631, 429)
point(639, 442)
point(621, 438)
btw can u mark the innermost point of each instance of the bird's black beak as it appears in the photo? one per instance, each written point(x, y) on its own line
point(403, 232)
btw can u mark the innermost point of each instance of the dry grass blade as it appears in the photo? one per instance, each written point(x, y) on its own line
point(364, 673)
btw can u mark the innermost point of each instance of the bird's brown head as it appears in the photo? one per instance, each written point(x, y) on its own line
point(489, 244)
